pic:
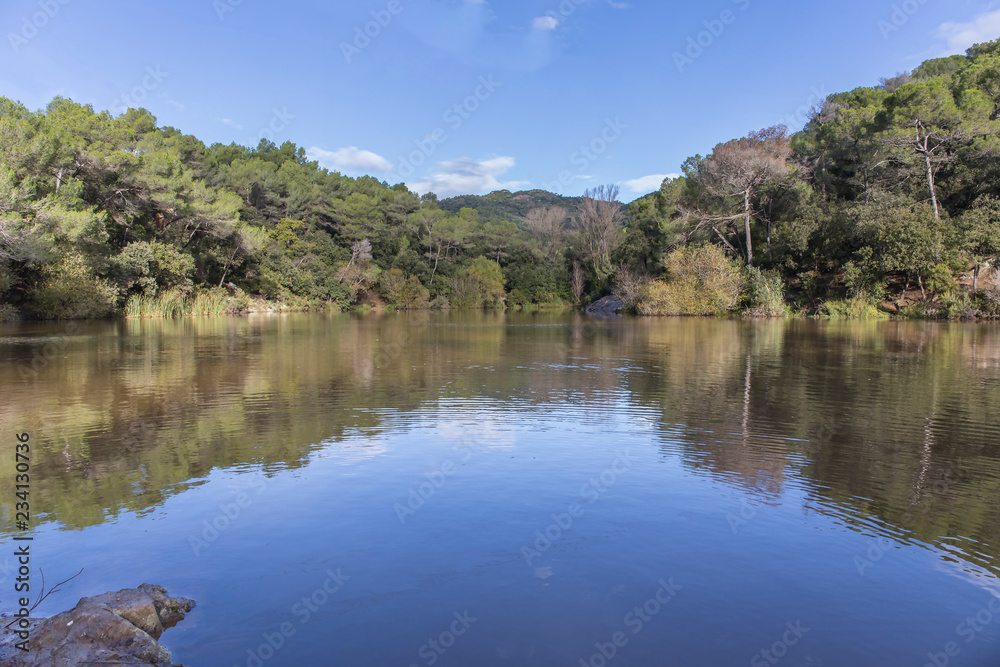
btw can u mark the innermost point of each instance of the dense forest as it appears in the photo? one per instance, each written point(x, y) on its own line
point(887, 201)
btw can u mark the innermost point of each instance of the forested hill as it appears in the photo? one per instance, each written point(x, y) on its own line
point(889, 195)
point(507, 205)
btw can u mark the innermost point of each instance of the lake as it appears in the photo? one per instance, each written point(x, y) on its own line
point(520, 489)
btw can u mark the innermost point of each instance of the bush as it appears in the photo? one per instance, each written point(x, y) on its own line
point(518, 298)
point(701, 281)
point(403, 292)
point(764, 294)
point(9, 313)
point(958, 307)
point(145, 268)
point(70, 290)
point(479, 285)
point(987, 297)
point(852, 308)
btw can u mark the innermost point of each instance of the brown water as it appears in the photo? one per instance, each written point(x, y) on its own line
point(554, 477)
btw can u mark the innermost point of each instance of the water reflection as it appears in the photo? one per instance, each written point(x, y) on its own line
point(886, 431)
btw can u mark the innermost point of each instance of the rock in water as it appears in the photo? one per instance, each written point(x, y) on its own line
point(113, 628)
point(609, 305)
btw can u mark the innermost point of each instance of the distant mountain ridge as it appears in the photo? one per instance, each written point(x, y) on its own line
point(507, 205)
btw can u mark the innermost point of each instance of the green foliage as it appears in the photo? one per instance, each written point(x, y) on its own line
point(701, 281)
point(402, 292)
point(518, 298)
point(145, 267)
point(69, 289)
point(479, 285)
point(887, 186)
point(852, 308)
point(764, 294)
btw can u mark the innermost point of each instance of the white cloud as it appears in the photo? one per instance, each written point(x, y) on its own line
point(648, 184)
point(619, 5)
point(545, 23)
point(960, 36)
point(350, 158)
point(465, 177)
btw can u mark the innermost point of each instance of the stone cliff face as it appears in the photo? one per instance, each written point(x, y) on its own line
point(112, 628)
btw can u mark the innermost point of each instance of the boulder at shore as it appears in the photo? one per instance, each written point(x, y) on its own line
point(113, 628)
point(609, 305)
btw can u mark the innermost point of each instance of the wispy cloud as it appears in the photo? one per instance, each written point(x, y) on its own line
point(619, 5)
point(350, 158)
point(960, 36)
point(545, 23)
point(648, 184)
point(465, 176)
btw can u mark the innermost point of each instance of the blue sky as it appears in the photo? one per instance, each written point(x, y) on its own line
point(468, 96)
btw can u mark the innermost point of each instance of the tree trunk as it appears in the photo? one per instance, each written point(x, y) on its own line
point(437, 258)
point(975, 277)
point(728, 244)
point(746, 221)
point(930, 181)
point(228, 264)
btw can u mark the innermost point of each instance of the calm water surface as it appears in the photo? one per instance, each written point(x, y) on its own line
point(470, 489)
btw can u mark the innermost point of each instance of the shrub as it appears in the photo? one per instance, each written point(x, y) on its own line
point(987, 297)
point(9, 313)
point(479, 285)
point(403, 292)
point(701, 281)
point(518, 298)
point(70, 290)
point(852, 308)
point(146, 267)
point(764, 294)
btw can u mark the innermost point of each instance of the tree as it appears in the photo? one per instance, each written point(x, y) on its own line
point(479, 285)
point(981, 233)
point(743, 167)
point(924, 118)
point(600, 223)
point(547, 225)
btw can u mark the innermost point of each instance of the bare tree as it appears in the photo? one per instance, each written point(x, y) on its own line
point(578, 281)
point(547, 225)
point(629, 284)
point(600, 222)
point(742, 168)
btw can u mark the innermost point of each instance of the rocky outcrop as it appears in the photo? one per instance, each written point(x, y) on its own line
point(609, 305)
point(113, 628)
